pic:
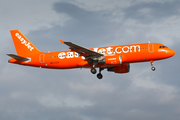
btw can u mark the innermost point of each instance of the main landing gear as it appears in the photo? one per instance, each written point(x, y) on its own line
point(99, 75)
point(152, 64)
point(94, 71)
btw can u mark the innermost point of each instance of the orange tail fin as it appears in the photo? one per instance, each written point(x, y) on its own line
point(23, 46)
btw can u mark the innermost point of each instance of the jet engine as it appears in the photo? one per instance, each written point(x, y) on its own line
point(124, 68)
point(112, 60)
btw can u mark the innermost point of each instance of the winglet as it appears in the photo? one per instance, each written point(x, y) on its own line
point(62, 41)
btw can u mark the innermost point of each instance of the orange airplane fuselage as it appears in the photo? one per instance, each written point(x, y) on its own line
point(113, 58)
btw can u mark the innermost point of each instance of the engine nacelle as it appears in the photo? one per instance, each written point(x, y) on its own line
point(113, 60)
point(124, 68)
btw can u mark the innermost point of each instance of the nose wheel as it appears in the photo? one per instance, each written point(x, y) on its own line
point(152, 64)
point(153, 68)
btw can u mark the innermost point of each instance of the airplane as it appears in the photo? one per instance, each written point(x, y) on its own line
point(115, 59)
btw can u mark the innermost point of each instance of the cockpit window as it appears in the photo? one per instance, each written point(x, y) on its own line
point(163, 47)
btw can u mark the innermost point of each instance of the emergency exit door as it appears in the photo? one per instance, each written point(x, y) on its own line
point(151, 47)
point(42, 58)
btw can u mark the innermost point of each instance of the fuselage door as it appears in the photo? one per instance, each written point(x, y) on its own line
point(151, 47)
point(42, 58)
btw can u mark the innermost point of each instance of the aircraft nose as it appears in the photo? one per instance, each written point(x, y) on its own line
point(171, 52)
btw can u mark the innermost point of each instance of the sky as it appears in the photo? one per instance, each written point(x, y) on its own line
point(28, 93)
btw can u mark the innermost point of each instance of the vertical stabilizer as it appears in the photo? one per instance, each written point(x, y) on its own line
point(22, 45)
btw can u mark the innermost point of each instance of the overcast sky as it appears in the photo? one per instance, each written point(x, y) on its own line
point(28, 93)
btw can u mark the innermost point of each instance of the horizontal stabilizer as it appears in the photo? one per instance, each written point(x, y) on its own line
point(18, 57)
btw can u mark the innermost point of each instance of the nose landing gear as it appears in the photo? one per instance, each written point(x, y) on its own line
point(152, 64)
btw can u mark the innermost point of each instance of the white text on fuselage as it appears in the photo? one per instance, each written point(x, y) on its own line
point(107, 50)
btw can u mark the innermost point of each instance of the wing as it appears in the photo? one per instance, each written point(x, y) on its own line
point(87, 53)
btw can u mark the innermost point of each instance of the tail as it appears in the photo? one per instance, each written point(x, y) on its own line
point(22, 45)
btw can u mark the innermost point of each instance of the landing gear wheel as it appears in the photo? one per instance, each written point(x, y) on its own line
point(99, 76)
point(93, 71)
point(152, 64)
point(153, 68)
